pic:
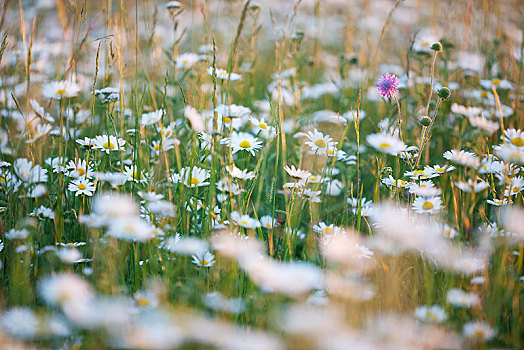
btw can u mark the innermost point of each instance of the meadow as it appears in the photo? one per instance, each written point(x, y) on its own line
point(278, 174)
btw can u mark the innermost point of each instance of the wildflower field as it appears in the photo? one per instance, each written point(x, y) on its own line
point(277, 174)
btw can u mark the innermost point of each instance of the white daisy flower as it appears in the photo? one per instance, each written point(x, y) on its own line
point(206, 259)
point(244, 220)
point(434, 314)
point(239, 174)
point(462, 157)
point(478, 330)
point(268, 222)
point(81, 186)
point(28, 173)
point(515, 137)
point(319, 143)
point(152, 117)
point(462, 299)
point(242, 141)
point(192, 177)
point(425, 205)
point(78, 168)
point(223, 74)
point(297, 173)
point(60, 89)
point(186, 60)
point(108, 144)
point(386, 143)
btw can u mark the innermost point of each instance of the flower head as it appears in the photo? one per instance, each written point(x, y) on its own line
point(387, 85)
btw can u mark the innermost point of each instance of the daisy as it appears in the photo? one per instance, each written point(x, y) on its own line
point(484, 124)
point(206, 259)
point(130, 228)
point(499, 202)
point(427, 173)
point(195, 119)
point(28, 173)
point(297, 173)
point(510, 153)
point(81, 186)
point(86, 142)
point(41, 131)
point(515, 137)
point(44, 213)
point(319, 143)
point(312, 196)
point(459, 298)
point(192, 177)
point(239, 174)
point(472, 186)
point(390, 181)
point(78, 168)
point(433, 313)
point(242, 141)
point(162, 146)
point(466, 111)
point(132, 175)
point(431, 205)
point(108, 144)
point(268, 222)
point(60, 89)
point(244, 221)
point(186, 60)
point(462, 157)
point(152, 117)
point(386, 143)
point(489, 165)
point(20, 322)
point(478, 330)
point(17, 234)
point(223, 74)
point(107, 94)
point(232, 111)
point(263, 128)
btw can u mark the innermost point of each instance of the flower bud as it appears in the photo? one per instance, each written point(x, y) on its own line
point(424, 120)
point(437, 46)
point(444, 93)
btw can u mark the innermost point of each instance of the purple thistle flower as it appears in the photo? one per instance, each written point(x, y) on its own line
point(387, 85)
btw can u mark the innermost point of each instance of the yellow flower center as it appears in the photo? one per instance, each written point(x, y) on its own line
point(313, 178)
point(156, 147)
point(245, 144)
point(108, 145)
point(328, 230)
point(81, 171)
point(495, 82)
point(82, 187)
point(384, 145)
point(427, 206)
point(61, 92)
point(205, 262)
point(479, 333)
point(320, 143)
point(243, 222)
point(134, 175)
point(418, 172)
point(142, 302)
point(194, 181)
point(226, 119)
point(262, 126)
point(517, 141)
point(484, 94)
